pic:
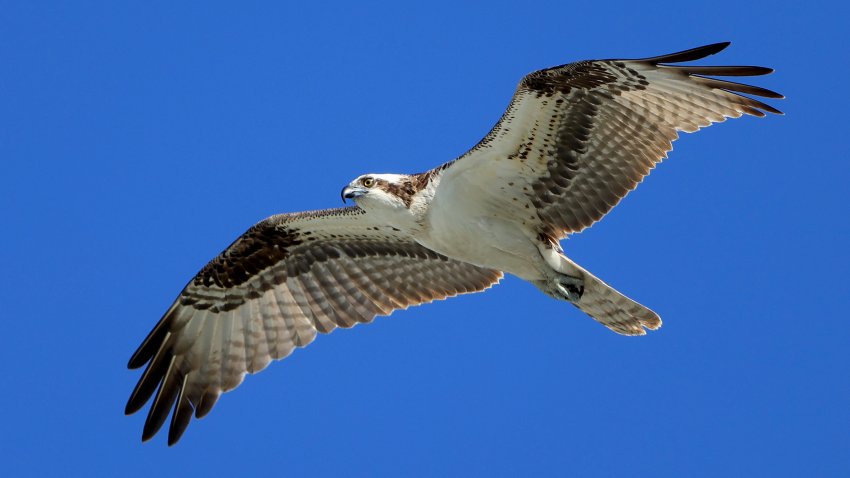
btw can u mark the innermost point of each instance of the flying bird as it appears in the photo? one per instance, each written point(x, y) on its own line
point(573, 142)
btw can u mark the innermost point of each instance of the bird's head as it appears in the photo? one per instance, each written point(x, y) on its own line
point(380, 191)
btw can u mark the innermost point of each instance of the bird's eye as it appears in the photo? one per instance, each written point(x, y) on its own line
point(368, 182)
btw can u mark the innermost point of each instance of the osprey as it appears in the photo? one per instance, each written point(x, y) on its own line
point(573, 142)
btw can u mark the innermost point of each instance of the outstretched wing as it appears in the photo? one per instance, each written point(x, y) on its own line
point(284, 280)
point(577, 138)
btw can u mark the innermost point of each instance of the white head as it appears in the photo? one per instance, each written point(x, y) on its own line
point(384, 192)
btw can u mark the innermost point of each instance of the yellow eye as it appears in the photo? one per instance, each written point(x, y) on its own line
point(368, 182)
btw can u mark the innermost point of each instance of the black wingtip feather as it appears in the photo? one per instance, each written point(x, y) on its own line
point(206, 404)
point(737, 87)
point(146, 350)
point(148, 383)
point(162, 404)
point(721, 70)
point(182, 415)
point(141, 394)
point(688, 55)
point(770, 109)
point(152, 342)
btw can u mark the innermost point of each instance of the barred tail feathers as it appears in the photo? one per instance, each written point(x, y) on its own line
point(608, 306)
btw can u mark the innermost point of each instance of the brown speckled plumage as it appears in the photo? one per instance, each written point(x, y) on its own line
point(306, 273)
point(573, 142)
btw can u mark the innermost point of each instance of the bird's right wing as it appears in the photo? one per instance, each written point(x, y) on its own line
point(284, 280)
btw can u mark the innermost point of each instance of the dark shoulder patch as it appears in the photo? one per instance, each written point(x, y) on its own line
point(262, 246)
point(564, 78)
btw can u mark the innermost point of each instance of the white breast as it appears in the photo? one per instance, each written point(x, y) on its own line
point(459, 225)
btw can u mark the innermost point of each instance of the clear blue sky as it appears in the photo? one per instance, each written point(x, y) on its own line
point(138, 141)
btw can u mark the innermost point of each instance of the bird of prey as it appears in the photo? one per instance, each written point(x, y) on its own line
point(573, 142)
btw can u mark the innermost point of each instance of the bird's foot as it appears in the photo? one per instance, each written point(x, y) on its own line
point(570, 288)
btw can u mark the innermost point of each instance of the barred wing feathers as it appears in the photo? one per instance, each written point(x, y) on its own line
point(284, 280)
point(577, 138)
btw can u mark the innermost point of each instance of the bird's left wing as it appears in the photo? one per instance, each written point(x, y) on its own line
point(577, 138)
point(284, 280)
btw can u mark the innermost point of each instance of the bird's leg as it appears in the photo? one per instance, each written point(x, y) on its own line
point(562, 287)
point(571, 288)
point(565, 280)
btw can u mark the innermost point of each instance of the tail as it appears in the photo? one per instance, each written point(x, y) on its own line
point(609, 307)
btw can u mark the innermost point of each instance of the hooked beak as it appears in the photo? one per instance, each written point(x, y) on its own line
point(352, 192)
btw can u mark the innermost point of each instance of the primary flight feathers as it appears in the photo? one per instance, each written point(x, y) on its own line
point(573, 142)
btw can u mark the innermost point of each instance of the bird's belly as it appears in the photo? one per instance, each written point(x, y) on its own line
point(488, 242)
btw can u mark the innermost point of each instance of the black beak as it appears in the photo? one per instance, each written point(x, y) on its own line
point(354, 192)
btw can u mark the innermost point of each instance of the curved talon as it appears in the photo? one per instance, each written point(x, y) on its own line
point(572, 288)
